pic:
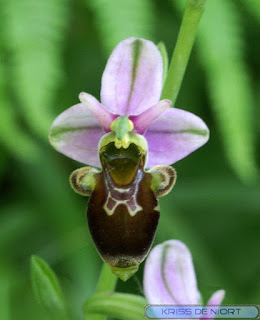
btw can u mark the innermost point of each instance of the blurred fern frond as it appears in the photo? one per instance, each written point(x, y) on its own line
point(12, 137)
point(221, 48)
point(32, 34)
point(117, 21)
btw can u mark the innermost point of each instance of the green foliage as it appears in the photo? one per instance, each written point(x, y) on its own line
point(12, 136)
point(253, 7)
point(15, 140)
point(116, 305)
point(4, 294)
point(32, 34)
point(222, 55)
point(107, 281)
point(221, 51)
point(115, 22)
point(47, 289)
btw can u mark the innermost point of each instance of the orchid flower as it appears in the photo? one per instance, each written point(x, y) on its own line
point(169, 277)
point(129, 131)
point(131, 87)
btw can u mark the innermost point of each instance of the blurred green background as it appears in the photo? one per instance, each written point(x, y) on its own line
point(50, 51)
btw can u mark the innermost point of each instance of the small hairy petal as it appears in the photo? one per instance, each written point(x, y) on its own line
point(132, 80)
point(104, 117)
point(169, 276)
point(76, 133)
point(174, 135)
point(145, 119)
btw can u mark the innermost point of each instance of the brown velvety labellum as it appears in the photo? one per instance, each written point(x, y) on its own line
point(123, 210)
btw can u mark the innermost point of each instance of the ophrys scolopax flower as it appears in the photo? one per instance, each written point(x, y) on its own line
point(133, 137)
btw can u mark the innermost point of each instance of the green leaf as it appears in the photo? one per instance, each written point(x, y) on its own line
point(116, 305)
point(162, 49)
point(116, 22)
point(47, 289)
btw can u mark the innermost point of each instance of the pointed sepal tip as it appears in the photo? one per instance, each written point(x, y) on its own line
point(124, 273)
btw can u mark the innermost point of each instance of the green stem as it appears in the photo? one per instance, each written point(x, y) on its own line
point(106, 283)
point(193, 12)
